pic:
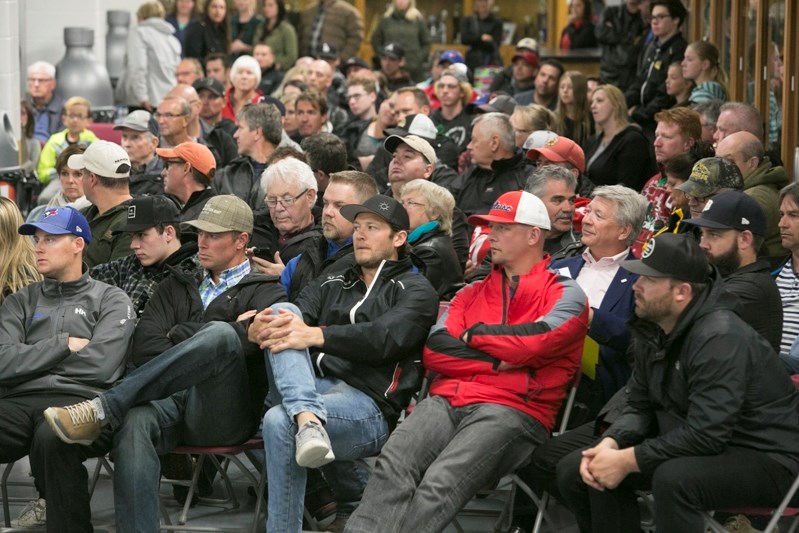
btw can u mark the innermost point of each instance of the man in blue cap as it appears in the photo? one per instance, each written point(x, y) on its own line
point(63, 340)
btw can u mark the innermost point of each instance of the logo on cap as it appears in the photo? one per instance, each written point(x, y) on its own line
point(132, 211)
point(650, 247)
point(700, 172)
point(50, 213)
point(707, 205)
point(384, 206)
point(502, 207)
point(552, 142)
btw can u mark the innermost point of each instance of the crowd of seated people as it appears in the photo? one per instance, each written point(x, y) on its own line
point(297, 217)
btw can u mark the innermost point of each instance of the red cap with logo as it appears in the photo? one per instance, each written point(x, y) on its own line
point(515, 207)
point(560, 150)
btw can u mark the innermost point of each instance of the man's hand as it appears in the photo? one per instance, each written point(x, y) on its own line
point(246, 315)
point(76, 344)
point(267, 267)
point(605, 466)
point(283, 331)
point(470, 269)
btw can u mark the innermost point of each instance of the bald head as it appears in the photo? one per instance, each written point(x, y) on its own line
point(188, 93)
point(743, 149)
point(320, 75)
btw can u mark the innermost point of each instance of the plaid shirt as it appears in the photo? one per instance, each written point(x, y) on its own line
point(227, 279)
point(137, 281)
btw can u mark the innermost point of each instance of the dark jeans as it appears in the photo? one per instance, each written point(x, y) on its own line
point(57, 467)
point(197, 392)
point(682, 488)
point(438, 459)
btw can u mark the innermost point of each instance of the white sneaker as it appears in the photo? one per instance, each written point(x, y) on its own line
point(313, 446)
point(33, 515)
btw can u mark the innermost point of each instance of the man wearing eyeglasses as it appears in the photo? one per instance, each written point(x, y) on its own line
point(173, 116)
point(189, 169)
point(47, 106)
point(647, 94)
point(290, 188)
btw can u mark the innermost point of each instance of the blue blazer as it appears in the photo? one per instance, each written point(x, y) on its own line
point(609, 325)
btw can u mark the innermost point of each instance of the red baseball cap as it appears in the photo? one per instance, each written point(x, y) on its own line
point(560, 150)
point(515, 207)
point(528, 56)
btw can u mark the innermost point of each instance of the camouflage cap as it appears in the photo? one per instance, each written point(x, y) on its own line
point(710, 175)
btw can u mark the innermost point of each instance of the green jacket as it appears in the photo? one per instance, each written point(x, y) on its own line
point(282, 40)
point(764, 184)
point(106, 246)
point(53, 148)
point(412, 35)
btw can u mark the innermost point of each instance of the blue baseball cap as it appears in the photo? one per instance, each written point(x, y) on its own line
point(450, 56)
point(59, 221)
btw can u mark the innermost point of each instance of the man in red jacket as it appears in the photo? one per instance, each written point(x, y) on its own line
point(502, 359)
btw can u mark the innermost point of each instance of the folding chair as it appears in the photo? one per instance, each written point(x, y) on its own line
point(229, 455)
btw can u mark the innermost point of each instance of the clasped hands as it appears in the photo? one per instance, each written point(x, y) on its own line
point(281, 331)
point(605, 466)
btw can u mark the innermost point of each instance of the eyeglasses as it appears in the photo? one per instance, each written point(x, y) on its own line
point(74, 116)
point(411, 204)
point(660, 17)
point(356, 96)
point(168, 162)
point(285, 202)
point(697, 199)
point(170, 116)
point(448, 86)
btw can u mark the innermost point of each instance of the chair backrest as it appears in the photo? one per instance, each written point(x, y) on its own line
point(106, 132)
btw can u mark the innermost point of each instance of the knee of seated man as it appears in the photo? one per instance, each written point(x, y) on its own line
point(275, 421)
point(288, 306)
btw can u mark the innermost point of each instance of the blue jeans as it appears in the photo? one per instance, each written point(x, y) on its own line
point(438, 459)
point(197, 392)
point(354, 423)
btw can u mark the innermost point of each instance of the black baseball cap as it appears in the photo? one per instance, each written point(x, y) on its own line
point(267, 99)
point(148, 211)
point(210, 84)
point(355, 62)
point(732, 210)
point(671, 255)
point(393, 50)
point(327, 51)
point(385, 207)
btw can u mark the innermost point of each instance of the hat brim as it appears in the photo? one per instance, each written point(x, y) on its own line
point(694, 189)
point(31, 227)
point(706, 223)
point(167, 153)
point(484, 220)
point(130, 127)
point(206, 226)
point(636, 266)
point(353, 210)
point(133, 228)
point(391, 55)
point(534, 153)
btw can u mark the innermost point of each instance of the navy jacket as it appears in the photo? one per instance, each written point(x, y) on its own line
point(609, 325)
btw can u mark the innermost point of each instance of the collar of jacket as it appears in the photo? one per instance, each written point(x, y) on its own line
point(51, 287)
point(502, 165)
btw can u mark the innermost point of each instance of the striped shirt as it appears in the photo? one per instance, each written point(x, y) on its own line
point(227, 279)
point(788, 284)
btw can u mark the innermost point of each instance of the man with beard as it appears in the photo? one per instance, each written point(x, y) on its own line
point(733, 227)
point(712, 420)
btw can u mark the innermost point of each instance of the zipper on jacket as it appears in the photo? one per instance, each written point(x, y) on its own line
point(368, 290)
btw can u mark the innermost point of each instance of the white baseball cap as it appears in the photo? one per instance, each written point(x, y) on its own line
point(515, 207)
point(104, 158)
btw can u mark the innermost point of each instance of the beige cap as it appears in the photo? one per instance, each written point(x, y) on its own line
point(415, 142)
point(223, 213)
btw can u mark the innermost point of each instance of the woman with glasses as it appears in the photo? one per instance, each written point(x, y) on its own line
point(429, 208)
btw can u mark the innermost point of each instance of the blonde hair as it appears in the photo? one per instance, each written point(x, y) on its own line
point(78, 100)
point(617, 100)
point(535, 117)
point(17, 258)
point(150, 10)
point(582, 113)
point(293, 72)
point(411, 14)
point(466, 88)
point(707, 51)
point(440, 201)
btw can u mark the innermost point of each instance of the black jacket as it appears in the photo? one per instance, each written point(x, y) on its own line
point(446, 152)
point(314, 262)
point(147, 180)
point(175, 313)
point(238, 179)
point(194, 206)
point(373, 335)
point(478, 188)
point(620, 35)
point(709, 384)
point(481, 53)
point(648, 89)
point(204, 37)
point(626, 160)
point(442, 268)
point(761, 306)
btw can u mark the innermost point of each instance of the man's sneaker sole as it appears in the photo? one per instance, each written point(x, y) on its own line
point(53, 421)
point(315, 454)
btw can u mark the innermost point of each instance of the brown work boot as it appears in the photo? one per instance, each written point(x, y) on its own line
point(74, 424)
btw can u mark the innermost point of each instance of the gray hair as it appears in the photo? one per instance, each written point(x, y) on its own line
point(42, 66)
point(440, 201)
point(249, 62)
point(710, 110)
point(264, 117)
point(185, 107)
point(747, 118)
point(537, 182)
point(630, 207)
point(497, 124)
point(289, 170)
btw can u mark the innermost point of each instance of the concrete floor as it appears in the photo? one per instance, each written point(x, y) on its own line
point(478, 517)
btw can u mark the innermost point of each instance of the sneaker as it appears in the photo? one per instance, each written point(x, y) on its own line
point(74, 424)
point(741, 524)
point(313, 446)
point(33, 515)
